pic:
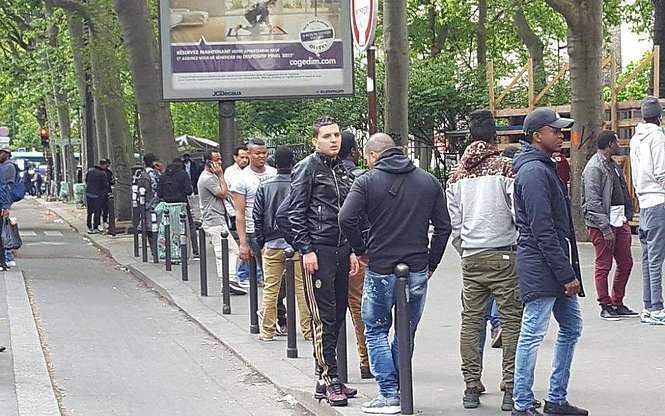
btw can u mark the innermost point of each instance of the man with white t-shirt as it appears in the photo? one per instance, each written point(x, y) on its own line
point(244, 191)
point(231, 174)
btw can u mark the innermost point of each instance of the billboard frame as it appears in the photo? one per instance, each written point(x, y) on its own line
point(348, 69)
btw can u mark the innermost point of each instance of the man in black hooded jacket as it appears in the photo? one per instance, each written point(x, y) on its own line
point(386, 195)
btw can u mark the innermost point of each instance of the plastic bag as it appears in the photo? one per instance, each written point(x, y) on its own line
point(11, 239)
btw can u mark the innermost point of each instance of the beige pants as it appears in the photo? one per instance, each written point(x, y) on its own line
point(274, 264)
point(356, 284)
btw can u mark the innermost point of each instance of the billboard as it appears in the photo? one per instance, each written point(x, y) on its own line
point(250, 49)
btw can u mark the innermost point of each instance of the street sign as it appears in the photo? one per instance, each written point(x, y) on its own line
point(363, 22)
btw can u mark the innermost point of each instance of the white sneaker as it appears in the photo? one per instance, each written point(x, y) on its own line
point(653, 318)
point(11, 263)
point(244, 283)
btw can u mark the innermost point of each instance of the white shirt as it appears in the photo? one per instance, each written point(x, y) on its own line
point(247, 184)
point(231, 175)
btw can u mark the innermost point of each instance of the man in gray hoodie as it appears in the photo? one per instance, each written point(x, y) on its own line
point(480, 202)
point(647, 158)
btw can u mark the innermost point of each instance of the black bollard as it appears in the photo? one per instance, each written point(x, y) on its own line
point(403, 334)
point(226, 289)
point(144, 226)
point(203, 266)
point(292, 343)
point(135, 218)
point(154, 227)
point(253, 298)
point(167, 240)
point(183, 247)
point(342, 356)
point(111, 202)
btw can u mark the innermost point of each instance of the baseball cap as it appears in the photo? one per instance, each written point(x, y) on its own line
point(543, 116)
point(4, 147)
point(651, 107)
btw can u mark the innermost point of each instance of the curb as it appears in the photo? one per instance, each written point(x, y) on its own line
point(304, 398)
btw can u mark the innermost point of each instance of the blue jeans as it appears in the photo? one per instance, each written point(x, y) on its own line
point(535, 320)
point(9, 255)
point(377, 305)
point(243, 267)
point(652, 240)
point(492, 316)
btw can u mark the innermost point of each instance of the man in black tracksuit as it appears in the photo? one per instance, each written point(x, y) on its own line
point(97, 187)
point(320, 185)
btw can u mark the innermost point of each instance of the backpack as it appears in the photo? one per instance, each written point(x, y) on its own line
point(18, 192)
point(141, 178)
point(168, 188)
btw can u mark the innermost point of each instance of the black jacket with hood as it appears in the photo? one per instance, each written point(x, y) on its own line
point(96, 182)
point(175, 184)
point(400, 201)
point(269, 197)
point(547, 256)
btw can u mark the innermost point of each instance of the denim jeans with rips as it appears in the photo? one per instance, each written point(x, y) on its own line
point(535, 321)
point(379, 298)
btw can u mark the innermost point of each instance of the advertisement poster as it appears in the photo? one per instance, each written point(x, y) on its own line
point(247, 49)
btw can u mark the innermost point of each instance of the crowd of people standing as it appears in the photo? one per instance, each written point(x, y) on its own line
point(507, 215)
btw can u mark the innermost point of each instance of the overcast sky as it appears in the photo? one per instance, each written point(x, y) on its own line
point(633, 46)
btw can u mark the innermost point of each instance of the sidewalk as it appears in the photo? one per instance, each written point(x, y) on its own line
point(614, 360)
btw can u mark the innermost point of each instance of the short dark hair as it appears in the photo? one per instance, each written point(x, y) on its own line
point(186, 155)
point(322, 122)
point(149, 159)
point(653, 120)
point(606, 138)
point(348, 144)
point(284, 157)
point(255, 142)
point(237, 150)
point(104, 162)
point(207, 156)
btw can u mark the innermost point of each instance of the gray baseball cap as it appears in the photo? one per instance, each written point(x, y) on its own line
point(5, 148)
point(543, 116)
point(651, 107)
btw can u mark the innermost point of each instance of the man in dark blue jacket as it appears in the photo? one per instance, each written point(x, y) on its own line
point(547, 264)
point(398, 233)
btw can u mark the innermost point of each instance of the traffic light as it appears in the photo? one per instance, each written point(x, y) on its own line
point(43, 134)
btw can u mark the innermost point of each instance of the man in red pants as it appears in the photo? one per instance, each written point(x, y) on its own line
point(607, 208)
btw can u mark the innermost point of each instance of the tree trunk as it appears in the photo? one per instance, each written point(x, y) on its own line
point(111, 119)
point(396, 115)
point(585, 48)
point(533, 44)
point(154, 115)
point(481, 34)
point(659, 39)
point(81, 64)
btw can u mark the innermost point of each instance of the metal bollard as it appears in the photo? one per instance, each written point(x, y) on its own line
point(403, 334)
point(342, 355)
point(226, 289)
point(111, 202)
point(154, 227)
point(183, 247)
point(144, 226)
point(253, 298)
point(135, 218)
point(292, 343)
point(203, 266)
point(167, 240)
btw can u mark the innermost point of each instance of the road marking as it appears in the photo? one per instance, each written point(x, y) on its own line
point(28, 234)
point(53, 233)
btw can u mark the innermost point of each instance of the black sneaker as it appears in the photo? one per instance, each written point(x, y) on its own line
point(236, 289)
point(2, 348)
point(625, 312)
point(528, 412)
point(471, 399)
point(366, 373)
point(507, 402)
point(320, 390)
point(608, 313)
point(563, 409)
point(335, 394)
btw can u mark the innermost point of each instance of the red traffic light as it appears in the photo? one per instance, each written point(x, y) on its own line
point(43, 134)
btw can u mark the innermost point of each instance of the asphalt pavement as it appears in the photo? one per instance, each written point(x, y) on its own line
point(618, 367)
point(113, 346)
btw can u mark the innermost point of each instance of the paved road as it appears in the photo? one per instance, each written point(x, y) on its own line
point(116, 348)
